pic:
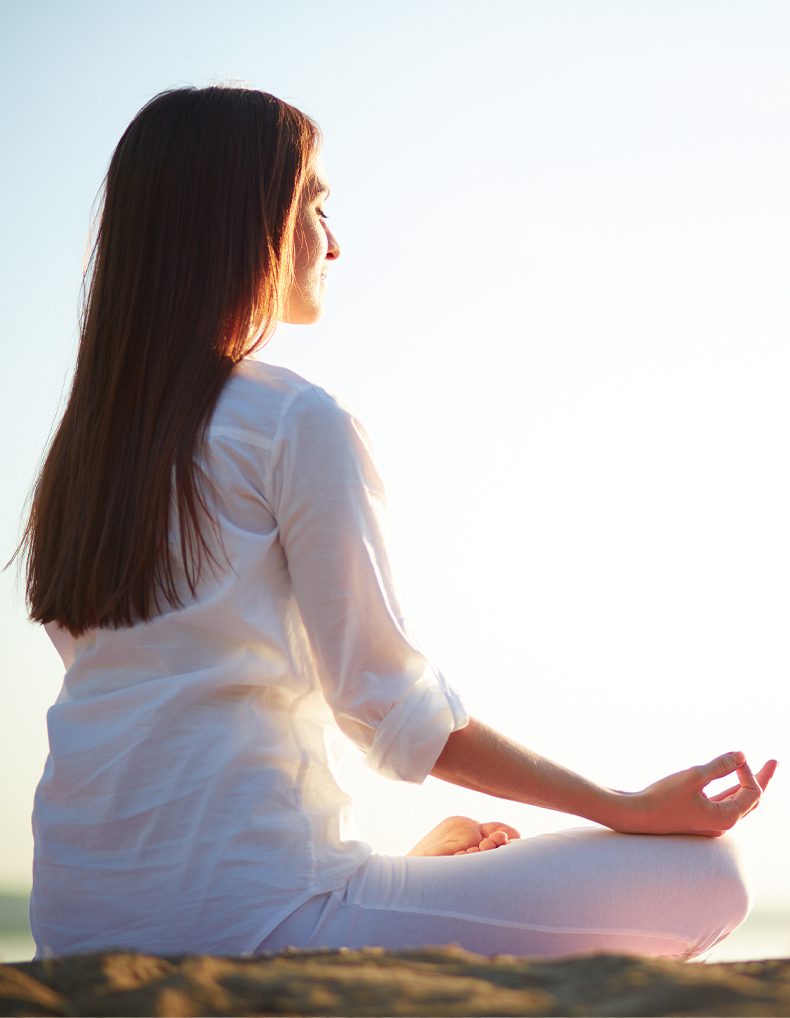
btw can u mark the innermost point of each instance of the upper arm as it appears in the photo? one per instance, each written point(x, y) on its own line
point(329, 503)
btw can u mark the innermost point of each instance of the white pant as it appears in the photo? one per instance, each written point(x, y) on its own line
point(569, 892)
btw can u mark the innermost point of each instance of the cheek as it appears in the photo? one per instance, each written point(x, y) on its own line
point(320, 244)
point(311, 248)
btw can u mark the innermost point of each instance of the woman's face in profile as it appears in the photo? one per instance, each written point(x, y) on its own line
point(314, 247)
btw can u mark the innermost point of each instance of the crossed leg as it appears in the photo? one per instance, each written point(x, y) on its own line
point(571, 892)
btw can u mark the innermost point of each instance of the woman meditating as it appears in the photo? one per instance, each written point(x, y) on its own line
point(205, 547)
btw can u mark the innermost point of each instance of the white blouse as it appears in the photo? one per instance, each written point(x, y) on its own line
point(187, 803)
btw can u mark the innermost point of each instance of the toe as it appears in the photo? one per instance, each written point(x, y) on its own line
point(489, 828)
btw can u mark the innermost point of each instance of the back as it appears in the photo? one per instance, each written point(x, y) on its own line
point(187, 803)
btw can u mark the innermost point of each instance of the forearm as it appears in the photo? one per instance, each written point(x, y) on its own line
point(484, 760)
point(479, 758)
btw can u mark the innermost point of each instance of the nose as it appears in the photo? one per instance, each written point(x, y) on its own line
point(333, 249)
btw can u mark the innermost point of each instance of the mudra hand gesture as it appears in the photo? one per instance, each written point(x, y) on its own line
point(678, 804)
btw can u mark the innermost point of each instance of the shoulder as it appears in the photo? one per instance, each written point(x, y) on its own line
point(267, 403)
point(300, 439)
point(259, 384)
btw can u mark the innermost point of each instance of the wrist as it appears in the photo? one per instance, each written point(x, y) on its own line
point(623, 811)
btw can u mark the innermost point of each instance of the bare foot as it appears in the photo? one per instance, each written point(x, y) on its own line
point(462, 836)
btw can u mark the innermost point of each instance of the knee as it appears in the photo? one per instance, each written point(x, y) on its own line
point(732, 877)
point(727, 890)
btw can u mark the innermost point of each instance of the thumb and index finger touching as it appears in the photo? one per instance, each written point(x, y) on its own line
point(763, 776)
point(721, 766)
point(725, 764)
point(742, 798)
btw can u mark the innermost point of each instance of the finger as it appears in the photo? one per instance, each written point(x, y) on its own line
point(747, 778)
point(724, 795)
point(743, 795)
point(763, 776)
point(474, 848)
point(743, 799)
point(765, 773)
point(730, 794)
point(720, 766)
point(756, 783)
point(487, 844)
point(748, 795)
point(489, 828)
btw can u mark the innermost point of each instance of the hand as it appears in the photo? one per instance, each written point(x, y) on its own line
point(678, 804)
point(462, 835)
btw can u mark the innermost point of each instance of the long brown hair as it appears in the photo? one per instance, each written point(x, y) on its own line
point(191, 266)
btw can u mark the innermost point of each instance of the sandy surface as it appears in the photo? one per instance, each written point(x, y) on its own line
point(432, 981)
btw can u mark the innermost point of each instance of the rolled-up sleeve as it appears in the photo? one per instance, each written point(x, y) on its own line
point(328, 500)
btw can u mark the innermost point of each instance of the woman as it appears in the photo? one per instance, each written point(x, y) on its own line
point(205, 548)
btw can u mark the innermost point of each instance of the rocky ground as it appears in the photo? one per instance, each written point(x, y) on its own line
point(433, 981)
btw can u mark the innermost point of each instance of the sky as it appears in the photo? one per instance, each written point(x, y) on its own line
point(561, 311)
